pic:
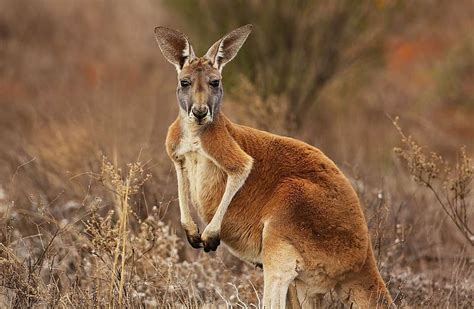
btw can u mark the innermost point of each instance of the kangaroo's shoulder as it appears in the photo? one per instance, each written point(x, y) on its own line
point(219, 144)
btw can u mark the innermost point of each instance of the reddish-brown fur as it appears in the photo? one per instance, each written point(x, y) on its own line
point(299, 189)
point(295, 212)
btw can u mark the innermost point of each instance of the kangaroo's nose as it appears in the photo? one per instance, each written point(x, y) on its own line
point(200, 112)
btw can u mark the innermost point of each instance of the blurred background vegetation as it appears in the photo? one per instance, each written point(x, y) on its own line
point(82, 80)
point(294, 52)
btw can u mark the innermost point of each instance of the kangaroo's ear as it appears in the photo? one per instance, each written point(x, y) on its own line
point(227, 47)
point(175, 46)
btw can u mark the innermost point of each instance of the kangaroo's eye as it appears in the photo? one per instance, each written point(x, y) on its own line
point(184, 83)
point(214, 83)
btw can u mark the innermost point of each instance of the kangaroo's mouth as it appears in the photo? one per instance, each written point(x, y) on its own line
point(200, 121)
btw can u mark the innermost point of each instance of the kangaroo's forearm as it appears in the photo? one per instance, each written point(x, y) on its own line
point(235, 162)
point(183, 197)
point(210, 237)
point(234, 183)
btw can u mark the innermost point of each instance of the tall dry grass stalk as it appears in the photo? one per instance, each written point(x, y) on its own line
point(122, 187)
point(451, 184)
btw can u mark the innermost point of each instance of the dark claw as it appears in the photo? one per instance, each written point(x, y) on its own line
point(212, 243)
point(194, 240)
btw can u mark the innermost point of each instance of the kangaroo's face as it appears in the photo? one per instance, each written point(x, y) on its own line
point(199, 89)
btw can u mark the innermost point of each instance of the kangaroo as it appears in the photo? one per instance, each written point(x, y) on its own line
point(274, 201)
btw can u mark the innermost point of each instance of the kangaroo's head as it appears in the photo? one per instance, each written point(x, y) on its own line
point(199, 78)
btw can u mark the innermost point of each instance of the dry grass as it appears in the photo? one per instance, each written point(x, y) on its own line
point(451, 185)
point(81, 81)
point(110, 257)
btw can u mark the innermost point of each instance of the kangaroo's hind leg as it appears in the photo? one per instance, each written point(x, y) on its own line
point(280, 263)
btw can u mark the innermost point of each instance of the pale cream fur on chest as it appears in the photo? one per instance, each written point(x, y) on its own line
point(202, 174)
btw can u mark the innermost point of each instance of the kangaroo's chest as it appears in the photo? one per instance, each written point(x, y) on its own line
point(206, 187)
point(206, 180)
point(206, 183)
